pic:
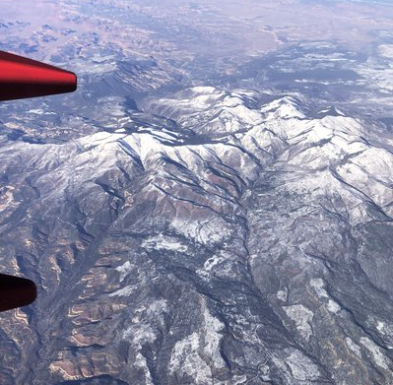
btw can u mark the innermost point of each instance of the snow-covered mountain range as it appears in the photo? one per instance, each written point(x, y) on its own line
point(244, 239)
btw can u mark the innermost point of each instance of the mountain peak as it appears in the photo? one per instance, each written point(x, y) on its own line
point(286, 107)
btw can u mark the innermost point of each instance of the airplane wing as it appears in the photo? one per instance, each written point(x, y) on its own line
point(26, 78)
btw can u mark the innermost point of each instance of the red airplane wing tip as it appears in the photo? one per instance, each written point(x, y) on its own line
point(25, 78)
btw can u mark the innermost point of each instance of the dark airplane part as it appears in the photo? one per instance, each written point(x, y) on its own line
point(26, 78)
point(16, 292)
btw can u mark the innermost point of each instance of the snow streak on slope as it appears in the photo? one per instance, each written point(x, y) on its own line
point(245, 242)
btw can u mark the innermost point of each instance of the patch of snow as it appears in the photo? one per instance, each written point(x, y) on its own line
point(209, 265)
point(124, 270)
point(157, 307)
point(211, 328)
point(213, 231)
point(282, 295)
point(302, 368)
point(283, 108)
point(141, 363)
point(354, 347)
point(386, 50)
point(199, 352)
point(318, 285)
point(381, 326)
point(186, 359)
point(333, 306)
point(123, 292)
point(302, 317)
point(163, 242)
point(376, 352)
point(37, 111)
point(139, 334)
